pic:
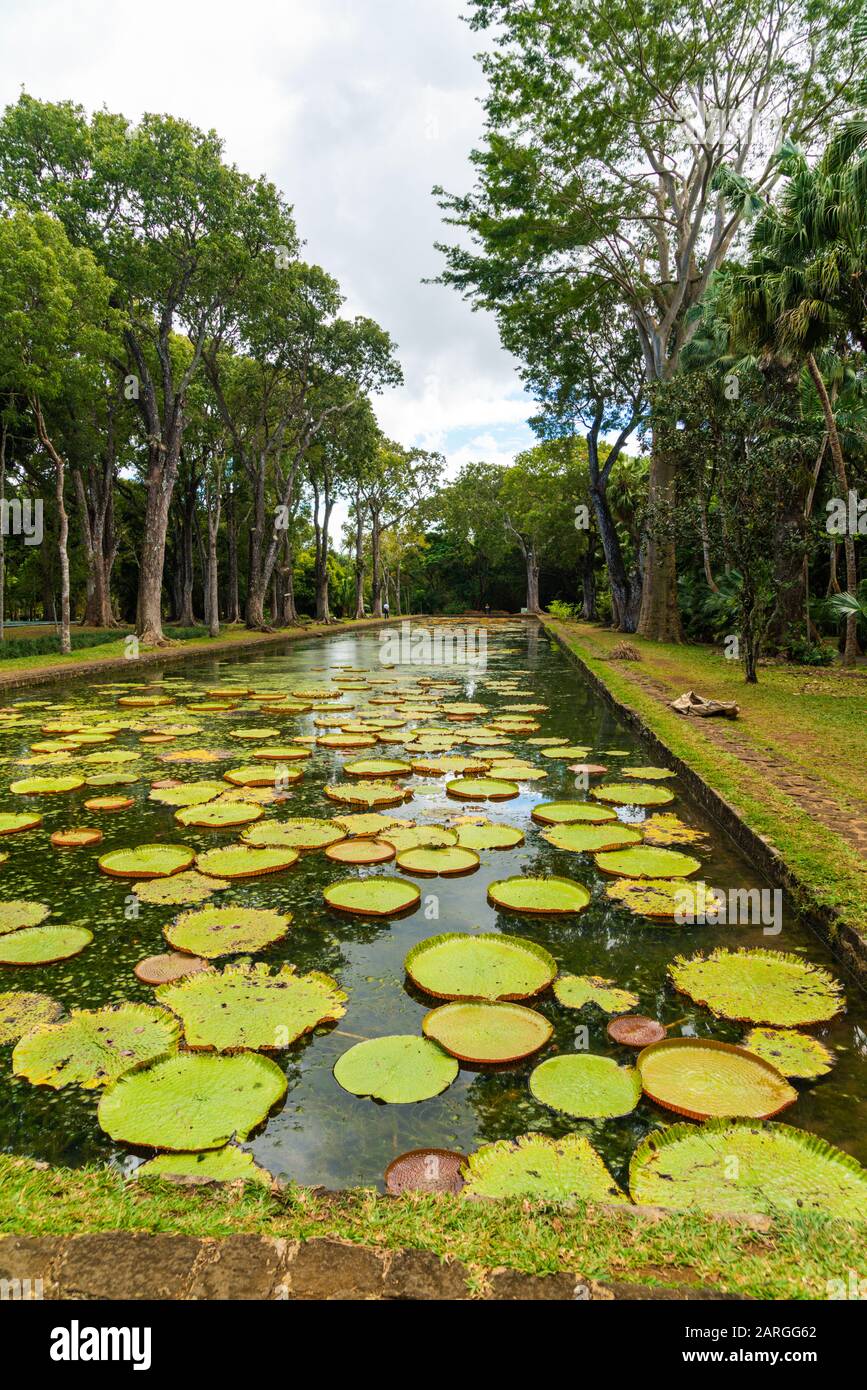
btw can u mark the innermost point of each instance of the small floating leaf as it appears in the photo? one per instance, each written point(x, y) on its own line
point(586, 1086)
point(168, 967)
point(577, 990)
point(94, 1046)
point(229, 1164)
point(398, 1069)
point(538, 1167)
point(192, 1101)
point(78, 838)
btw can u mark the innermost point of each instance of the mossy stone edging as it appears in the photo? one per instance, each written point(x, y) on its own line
point(115, 1265)
point(839, 935)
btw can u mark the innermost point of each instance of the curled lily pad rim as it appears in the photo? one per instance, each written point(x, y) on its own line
point(670, 1046)
point(436, 1017)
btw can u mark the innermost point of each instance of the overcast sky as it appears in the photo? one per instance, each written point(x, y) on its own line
point(355, 108)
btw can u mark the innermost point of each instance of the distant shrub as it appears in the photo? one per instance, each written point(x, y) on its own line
point(564, 611)
point(12, 647)
point(803, 652)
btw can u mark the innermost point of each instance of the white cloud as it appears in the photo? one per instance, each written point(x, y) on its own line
point(355, 108)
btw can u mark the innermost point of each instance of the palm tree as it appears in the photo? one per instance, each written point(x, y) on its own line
point(801, 298)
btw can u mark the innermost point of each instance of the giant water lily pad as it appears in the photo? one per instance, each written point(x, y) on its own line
point(633, 794)
point(792, 1053)
point(47, 786)
point(11, 822)
point(673, 901)
point(226, 931)
point(192, 1101)
point(367, 823)
point(482, 837)
point(220, 815)
point(590, 839)
point(441, 767)
point(164, 969)
point(430, 860)
point(21, 1011)
point(263, 775)
point(535, 1166)
point(377, 767)
point(147, 861)
point(647, 861)
point(368, 794)
point(759, 987)
point(736, 1167)
point(586, 1086)
point(303, 833)
point(188, 887)
point(648, 774)
point(482, 789)
point(539, 895)
point(189, 794)
point(402, 837)
point(571, 813)
point(399, 1069)
point(459, 965)
point(373, 897)
point(480, 1031)
point(244, 861)
point(229, 1164)
point(360, 852)
point(94, 1046)
point(577, 990)
point(16, 913)
point(704, 1079)
point(43, 945)
point(251, 1006)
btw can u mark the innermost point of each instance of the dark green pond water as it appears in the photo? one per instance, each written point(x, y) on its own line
point(321, 1134)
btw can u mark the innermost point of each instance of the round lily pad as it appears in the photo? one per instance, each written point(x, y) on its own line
point(479, 1031)
point(633, 794)
point(20, 1012)
point(250, 1006)
point(347, 740)
point(586, 1086)
point(13, 821)
point(168, 967)
point(281, 753)
point(535, 1166)
point(360, 852)
point(704, 1079)
point(482, 837)
point(188, 794)
point(577, 990)
point(571, 813)
point(187, 887)
point(192, 1101)
point(226, 931)
point(244, 861)
point(147, 861)
point(377, 767)
point(43, 945)
point(109, 803)
point(634, 1030)
point(673, 901)
point(440, 767)
point(402, 837)
point(759, 987)
point(263, 775)
point(539, 895)
point(18, 912)
point(589, 839)
point(777, 1169)
point(366, 823)
point(792, 1053)
point(647, 861)
point(399, 1069)
point(302, 833)
point(220, 815)
point(379, 896)
point(448, 861)
point(369, 794)
point(566, 750)
point(666, 829)
point(482, 789)
point(78, 838)
point(229, 1164)
point(425, 1170)
point(92, 1047)
point(648, 774)
point(47, 786)
point(458, 965)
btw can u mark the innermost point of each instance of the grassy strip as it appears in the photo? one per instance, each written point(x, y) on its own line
point(794, 1258)
point(832, 872)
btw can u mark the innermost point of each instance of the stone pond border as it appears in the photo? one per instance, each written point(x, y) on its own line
point(840, 936)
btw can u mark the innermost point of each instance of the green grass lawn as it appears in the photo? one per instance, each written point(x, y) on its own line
point(793, 1258)
point(813, 720)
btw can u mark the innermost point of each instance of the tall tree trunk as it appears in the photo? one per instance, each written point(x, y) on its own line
point(532, 579)
point(289, 609)
point(257, 582)
point(659, 617)
point(850, 650)
point(233, 602)
point(359, 560)
point(62, 523)
point(162, 474)
point(588, 586)
point(376, 563)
